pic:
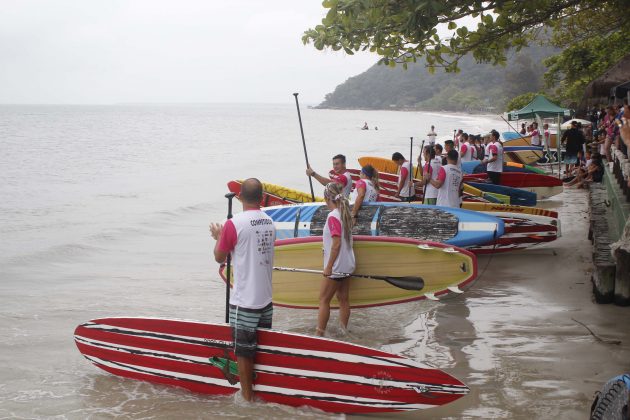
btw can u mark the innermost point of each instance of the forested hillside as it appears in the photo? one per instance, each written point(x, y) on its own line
point(478, 87)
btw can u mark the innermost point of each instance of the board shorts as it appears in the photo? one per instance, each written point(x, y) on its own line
point(430, 201)
point(244, 323)
point(495, 177)
point(570, 159)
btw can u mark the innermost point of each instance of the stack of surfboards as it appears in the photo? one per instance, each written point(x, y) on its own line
point(544, 186)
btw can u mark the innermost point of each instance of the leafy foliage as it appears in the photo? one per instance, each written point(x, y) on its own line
point(403, 31)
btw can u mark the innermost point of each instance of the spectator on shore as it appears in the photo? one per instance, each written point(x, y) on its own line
point(609, 127)
point(593, 173)
point(574, 141)
point(546, 135)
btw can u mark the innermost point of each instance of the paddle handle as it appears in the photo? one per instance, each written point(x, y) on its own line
point(228, 268)
point(310, 180)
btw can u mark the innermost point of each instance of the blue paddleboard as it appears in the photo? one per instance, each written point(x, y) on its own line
point(453, 226)
point(517, 196)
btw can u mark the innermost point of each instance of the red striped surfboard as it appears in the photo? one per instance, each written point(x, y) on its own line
point(521, 231)
point(291, 369)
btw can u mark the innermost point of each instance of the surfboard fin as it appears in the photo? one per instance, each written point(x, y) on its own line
point(431, 296)
point(455, 289)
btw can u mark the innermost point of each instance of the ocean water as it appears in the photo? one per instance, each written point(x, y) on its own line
point(104, 211)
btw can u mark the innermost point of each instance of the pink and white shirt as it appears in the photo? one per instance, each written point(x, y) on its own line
point(249, 237)
point(345, 179)
point(448, 193)
point(408, 189)
point(345, 262)
point(535, 137)
point(467, 152)
point(433, 167)
point(371, 194)
point(495, 149)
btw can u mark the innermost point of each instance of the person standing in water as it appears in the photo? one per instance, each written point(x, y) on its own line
point(431, 136)
point(249, 237)
point(366, 190)
point(338, 258)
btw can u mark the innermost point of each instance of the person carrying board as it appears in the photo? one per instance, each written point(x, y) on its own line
point(249, 237)
point(338, 258)
point(342, 176)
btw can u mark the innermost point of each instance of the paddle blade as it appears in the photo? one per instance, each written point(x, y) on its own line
point(407, 282)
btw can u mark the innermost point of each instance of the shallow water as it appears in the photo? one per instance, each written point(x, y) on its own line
point(104, 212)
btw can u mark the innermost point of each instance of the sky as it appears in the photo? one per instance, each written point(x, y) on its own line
point(156, 51)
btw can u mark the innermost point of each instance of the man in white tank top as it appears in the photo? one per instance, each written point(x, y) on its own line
point(494, 158)
point(406, 189)
point(249, 237)
point(342, 176)
point(449, 182)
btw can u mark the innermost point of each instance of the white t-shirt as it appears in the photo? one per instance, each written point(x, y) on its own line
point(249, 237)
point(536, 137)
point(345, 262)
point(434, 169)
point(431, 136)
point(448, 193)
point(408, 189)
point(370, 192)
point(495, 148)
point(467, 152)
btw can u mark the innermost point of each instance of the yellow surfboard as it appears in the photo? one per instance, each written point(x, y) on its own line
point(288, 193)
point(444, 269)
point(386, 165)
point(440, 267)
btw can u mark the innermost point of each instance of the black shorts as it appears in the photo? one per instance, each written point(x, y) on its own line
point(244, 323)
point(408, 199)
point(495, 177)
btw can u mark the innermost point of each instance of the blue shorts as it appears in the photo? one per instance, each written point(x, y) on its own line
point(570, 159)
point(244, 323)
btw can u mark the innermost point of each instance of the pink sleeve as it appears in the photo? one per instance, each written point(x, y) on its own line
point(341, 179)
point(428, 168)
point(441, 175)
point(227, 242)
point(492, 149)
point(334, 225)
point(463, 149)
point(404, 173)
point(360, 184)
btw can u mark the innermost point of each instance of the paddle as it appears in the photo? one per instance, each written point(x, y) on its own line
point(228, 263)
point(310, 181)
point(411, 166)
point(404, 282)
point(415, 175)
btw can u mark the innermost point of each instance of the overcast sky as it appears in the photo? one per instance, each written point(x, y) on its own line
point(157, 51)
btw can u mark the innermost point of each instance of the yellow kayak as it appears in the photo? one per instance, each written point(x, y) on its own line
point(288, 193)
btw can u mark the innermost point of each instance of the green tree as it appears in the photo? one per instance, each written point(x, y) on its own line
point(403, 31)
point(520, 101)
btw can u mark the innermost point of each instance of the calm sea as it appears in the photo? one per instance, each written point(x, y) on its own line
point(104, 211)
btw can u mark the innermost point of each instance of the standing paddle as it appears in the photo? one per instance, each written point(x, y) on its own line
point(419, 160)
point(405, 282)
point(228, 262)
point(411, 167)
point(456, 144)
point(310, 181)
